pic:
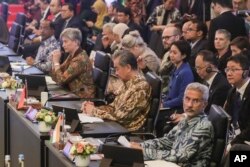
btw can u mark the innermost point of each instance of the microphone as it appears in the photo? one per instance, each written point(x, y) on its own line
point(31, 66)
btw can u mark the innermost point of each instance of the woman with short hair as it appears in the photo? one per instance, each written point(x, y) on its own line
point(76, 71)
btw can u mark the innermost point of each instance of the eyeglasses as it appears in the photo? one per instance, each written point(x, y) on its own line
point(199, 68)
point(190, 29)
point(167, 37)
point(233, 70)
point(193, 101)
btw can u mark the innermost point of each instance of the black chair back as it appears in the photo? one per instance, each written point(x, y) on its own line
point(5, 11)
point(156, 84)
point(102, 61)
point(220, 121)
point(14, 38)
point(21, 20)
point(4, 33)
point(101, 73)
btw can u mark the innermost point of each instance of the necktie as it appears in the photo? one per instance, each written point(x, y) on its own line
point(237, 105)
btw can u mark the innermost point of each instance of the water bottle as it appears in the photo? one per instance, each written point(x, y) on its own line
point(21, 160)
point(7, 161)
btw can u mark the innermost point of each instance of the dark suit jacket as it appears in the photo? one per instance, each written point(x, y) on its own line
point(244, 114)
point(222, 61)
point(218, 91)
point(235, 25)
point(76, 22)
point(58, 22)
point(200, 45)
point(197, 8)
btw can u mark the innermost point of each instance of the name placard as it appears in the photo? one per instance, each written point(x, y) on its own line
point(31, 114)
point(66, 150)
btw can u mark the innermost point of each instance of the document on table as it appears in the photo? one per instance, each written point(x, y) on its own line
point(88, 119)
point(49, 80)
point(160, 163)
point(19, 66)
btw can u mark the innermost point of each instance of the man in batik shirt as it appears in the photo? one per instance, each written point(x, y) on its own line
point(190, 142)
point(132, 104)
point(49, 44)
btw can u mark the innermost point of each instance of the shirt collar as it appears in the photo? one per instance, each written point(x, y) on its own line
point(211, 79)
point(194, 43)
point(242, 89)
point(194, 120)
point(132, 81)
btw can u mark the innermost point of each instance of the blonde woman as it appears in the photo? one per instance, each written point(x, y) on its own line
point(147, 60)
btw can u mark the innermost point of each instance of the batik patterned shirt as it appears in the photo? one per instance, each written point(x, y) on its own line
point(76, 74)
point(157, 17)
point(43, 59)
point(131, 105)
point(189, 143)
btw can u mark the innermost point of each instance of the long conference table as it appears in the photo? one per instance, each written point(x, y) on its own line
point(21, 136)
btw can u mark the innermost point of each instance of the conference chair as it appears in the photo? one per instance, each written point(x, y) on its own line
point(5, 11)
point(101, 76)
point(21, 20)
point(221, 122)
point(4, 33)
point(155, 43)
point(14, 37)
point(148, 130)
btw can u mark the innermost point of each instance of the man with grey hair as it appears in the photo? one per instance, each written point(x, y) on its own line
point(223, 51)
point(169, 35)
point(132, 103)
point(190, 142)
point(105, 39)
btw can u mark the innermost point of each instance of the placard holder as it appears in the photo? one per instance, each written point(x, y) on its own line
point(76, 126)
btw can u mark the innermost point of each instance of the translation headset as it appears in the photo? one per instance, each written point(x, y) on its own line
point(210, 69)
point(245, 73)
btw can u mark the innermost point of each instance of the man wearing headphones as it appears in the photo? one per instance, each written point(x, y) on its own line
point(206, 67)
point(238, 100)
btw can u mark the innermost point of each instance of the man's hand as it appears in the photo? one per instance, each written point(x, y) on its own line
point(105, 41)
point(135, 145)
point(30, 60)
point(141, 63)
point(176, 118)
point(87, 107)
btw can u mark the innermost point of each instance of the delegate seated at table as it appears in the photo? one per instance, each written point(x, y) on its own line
point(132, 103)
point(190, 142)
point(76, 71)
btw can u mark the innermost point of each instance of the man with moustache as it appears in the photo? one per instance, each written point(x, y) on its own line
point(190, 142)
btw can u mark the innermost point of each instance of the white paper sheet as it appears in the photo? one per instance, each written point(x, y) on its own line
point(160, 163)
point(88, 119)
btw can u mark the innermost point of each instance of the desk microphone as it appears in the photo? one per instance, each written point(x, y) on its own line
point(33, 65)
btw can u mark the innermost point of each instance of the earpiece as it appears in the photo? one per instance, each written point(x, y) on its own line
point(210, 69)
point(245, 73)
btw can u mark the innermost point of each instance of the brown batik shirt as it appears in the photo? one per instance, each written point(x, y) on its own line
point(131, 105)
point(76, 73)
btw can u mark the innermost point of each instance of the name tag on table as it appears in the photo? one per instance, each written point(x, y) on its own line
point(66, 150)
point(31, 114)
